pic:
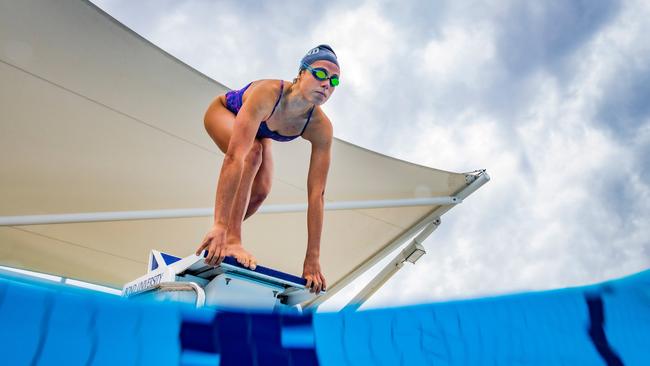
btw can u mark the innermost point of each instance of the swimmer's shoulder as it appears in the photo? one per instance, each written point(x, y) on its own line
point(265, 87)
point(320, 128)
point(262, 95)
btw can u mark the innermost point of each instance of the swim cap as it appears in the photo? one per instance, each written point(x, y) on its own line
point(320, 52)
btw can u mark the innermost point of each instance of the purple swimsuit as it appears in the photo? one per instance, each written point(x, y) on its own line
point(234, 103)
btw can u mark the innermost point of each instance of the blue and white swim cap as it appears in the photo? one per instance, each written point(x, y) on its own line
point(320, 52)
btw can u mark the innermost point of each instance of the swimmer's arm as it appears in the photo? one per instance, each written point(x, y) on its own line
point(321, 144)
point(259, 104)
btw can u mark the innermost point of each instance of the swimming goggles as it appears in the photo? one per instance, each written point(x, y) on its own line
point(321, 74)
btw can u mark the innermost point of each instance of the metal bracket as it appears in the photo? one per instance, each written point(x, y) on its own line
point(179, 286)
point(472, 176)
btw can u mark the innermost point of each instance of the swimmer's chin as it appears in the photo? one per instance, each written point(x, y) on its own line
point(319, 98)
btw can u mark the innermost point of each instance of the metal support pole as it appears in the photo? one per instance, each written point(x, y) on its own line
point(206, 212)
point(411, 253)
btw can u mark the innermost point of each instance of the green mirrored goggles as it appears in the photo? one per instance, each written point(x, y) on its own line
point(321, 74)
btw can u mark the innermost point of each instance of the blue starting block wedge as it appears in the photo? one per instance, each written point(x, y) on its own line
point(228, 285)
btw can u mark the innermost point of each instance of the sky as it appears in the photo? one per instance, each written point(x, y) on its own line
point(551, 97)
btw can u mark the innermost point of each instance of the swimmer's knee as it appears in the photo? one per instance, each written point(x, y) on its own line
point(257, 198)
point(264, 187)
point(255, 202)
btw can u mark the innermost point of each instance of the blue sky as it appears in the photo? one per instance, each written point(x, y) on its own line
point(552, 98)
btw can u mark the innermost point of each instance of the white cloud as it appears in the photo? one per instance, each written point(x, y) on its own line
point(459, 54)
point(366, 42)
point(544, 221)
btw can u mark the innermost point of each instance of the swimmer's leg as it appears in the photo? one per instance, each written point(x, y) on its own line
point(262, 183)
point(234, 248)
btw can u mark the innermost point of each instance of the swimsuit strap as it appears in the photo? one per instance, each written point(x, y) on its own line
point(279, 97)
point(308, 119)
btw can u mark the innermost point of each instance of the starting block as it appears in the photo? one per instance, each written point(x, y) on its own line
point(228, 285)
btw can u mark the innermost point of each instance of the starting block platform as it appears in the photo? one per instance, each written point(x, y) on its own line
point(227, 285)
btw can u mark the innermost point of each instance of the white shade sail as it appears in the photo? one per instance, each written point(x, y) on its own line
point(94, 118)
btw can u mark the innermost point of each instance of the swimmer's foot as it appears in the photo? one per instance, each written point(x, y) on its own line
point(242, 256)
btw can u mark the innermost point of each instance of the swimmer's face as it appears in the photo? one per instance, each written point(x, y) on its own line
point(314, 90)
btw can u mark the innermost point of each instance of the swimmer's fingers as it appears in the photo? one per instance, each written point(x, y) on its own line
point(212, 251)
point(204, 244)
point(221, 256)
point(218, 256)
point(319, 286)
point(315, 284)
point(323, 282)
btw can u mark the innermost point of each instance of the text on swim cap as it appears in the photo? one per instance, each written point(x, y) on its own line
point(313, 51)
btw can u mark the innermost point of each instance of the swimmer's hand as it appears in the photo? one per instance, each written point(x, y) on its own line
point(215, 242)
point(312, 273)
